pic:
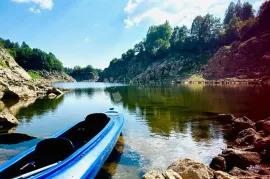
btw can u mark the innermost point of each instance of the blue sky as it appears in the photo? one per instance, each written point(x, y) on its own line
point(82, 32)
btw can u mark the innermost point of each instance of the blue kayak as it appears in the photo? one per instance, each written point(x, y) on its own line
point(76, 152)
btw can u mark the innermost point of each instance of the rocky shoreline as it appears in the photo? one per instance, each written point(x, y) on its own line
point(247, 156)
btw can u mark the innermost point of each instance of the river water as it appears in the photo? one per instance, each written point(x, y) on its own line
point(162, 122)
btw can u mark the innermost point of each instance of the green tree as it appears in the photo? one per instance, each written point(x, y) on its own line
point(158, 38)
point(238, 9)
point(247, 11)
point(229, 13)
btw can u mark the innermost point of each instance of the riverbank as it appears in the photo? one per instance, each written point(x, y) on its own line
point(247, 154)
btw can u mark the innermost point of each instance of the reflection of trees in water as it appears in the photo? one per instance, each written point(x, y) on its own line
point(83, 92)
point(169, 109)
point(39, 108)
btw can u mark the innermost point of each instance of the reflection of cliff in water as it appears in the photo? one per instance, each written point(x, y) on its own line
point(27, 109)
point(168, 109)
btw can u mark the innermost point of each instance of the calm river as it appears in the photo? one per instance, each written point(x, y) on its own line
point(162, 122)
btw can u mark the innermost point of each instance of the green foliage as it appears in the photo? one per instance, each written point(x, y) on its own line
point(85, 73)
point(3, 64)
point(157, 38)
point(34, 75)
point(230, 12)
point(32, 59)
point(228, 47)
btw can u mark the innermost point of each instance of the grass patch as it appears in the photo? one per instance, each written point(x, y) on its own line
point(3, 64)
point(34, 75)
point(228, 47)
point(196, 78)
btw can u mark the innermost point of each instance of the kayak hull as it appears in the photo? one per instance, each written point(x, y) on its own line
point(87, 160)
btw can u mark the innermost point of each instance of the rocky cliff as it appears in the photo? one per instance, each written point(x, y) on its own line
point(173, 67)
point(54, 76)
point(15, 82)
point(244, 60)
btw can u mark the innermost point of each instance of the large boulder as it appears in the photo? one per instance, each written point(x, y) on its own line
point(247, 137)
point(241, 159)
point(218, 163)
point(168, 174)
point(223, 175)
point(188, 169)
point(259, 124)
point(242, 123)
point(266, 128)
point(239, 172)
point(224, 118)
point(55, 91)
point(153, 174)
point(8, 119)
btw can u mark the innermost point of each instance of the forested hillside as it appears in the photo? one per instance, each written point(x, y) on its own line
point(176, 53)
point(87, 73)
point(32, 59)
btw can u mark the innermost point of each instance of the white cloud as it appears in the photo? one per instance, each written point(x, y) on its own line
point(34, 10)
point(43, 4)
point(178, 12)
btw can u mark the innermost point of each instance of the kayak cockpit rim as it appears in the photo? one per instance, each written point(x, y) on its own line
point(75, 156)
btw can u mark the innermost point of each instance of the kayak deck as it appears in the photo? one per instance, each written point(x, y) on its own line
point(54, 150)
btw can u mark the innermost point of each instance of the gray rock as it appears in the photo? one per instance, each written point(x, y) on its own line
point(7, 118)
point(188, 169)
point(153, 174)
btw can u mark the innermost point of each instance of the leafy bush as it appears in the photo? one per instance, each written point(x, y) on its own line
point(34, 75)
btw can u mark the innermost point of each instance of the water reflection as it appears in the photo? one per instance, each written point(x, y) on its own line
point(162, 122)
point(166, 109)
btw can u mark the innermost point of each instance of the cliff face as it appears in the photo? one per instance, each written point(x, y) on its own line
point(55, 76)
point(173, 67)
point(244, 60)
point(14, 81)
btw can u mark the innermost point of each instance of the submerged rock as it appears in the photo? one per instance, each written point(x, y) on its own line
point(188, 168)
point(14, 138)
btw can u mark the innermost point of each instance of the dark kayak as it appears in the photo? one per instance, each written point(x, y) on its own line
point(76, 152)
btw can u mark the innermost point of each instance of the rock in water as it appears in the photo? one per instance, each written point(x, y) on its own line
point(223, 175)
point(8, 119)
point(266, 128)
point(240, 124)
point(153, 174)
point(247, 137)
point(188, 169)
point(218, 163)
point(238, 172)
point(170, 174)
point(259, 124)
point(14, 138)
point(241, 159)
